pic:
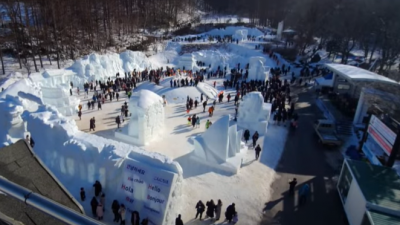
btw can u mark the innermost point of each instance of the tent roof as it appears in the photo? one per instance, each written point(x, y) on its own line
point(379, 185)
point(358, 74)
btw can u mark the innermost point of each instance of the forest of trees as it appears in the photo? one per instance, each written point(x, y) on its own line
point(342, 25)
point(67, 29)
point(60, 29)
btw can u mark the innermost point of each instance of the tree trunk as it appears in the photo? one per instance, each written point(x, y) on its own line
point(48, 57)
point(2, 62)
point(55, 36)
point(34, 62)
point(19, 61)
point(40, 59)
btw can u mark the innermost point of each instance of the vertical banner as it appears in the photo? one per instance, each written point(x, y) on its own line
point(145, 189)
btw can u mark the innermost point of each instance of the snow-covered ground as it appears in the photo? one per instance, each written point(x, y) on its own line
point(249, 189)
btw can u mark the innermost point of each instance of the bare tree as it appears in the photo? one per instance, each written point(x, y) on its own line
point(27, 66)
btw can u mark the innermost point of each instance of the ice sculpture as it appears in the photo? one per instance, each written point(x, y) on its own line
point(220, 146)
point(55, 78)
point(187, 61)
point(147, 119)
point(258, 70)
point(240, 35)
point(60, 99)
point(253, 113)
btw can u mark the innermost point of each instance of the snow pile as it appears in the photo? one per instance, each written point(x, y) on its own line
point(179, 94)
point(100, 67)
point(239, 32)
point(134, 60)
point(79, 159)
point(228, 55)
point(257, 70)
point(11, 121)
point(253, 113)
point(22, 88)
point(187, 62)
point(223, 19)
point(215, 58)
point(57, 78)
point(10, 79)
point(219, 145)
point(147, 119)
point(61, 99)
point(240, 35)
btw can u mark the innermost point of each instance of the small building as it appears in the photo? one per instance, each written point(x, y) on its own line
point(370, 194)
point(355, 90)
point(350, 79)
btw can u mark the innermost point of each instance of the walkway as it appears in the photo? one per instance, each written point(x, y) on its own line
point(306, 160)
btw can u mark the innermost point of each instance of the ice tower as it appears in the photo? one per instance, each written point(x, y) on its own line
point(146, 121)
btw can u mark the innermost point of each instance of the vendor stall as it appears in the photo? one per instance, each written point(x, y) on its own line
point(370, 194)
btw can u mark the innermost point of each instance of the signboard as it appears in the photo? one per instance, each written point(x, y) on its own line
point(387, 147)
point(146, 190)
point(383, 130)
point(381, 134)
point(371, 149)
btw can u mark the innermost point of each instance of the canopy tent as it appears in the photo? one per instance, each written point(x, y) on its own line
point(358, 74)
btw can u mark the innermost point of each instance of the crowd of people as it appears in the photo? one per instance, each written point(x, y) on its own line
point(98, 207)
point(214, 210)
point(275, 91)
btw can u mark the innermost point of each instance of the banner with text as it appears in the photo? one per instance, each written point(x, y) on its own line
point(382, 134)
point(145, 189)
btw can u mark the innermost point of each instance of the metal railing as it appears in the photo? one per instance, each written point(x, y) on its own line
point(45, 205)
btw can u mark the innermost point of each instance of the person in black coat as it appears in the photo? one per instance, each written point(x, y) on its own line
point(31, 142)
point(135, 218)
point(118, 120)
point(255, 138)
point(200, 209)
point(210, 209)
point(115, 210)
point(83, 194)
point(246, 135)
point(178, 220)
point(97, 188)
point(94, 204)
point(292, 186)
point(258, 150)
point(194, 120)
point(145, 221)
point(230, 211)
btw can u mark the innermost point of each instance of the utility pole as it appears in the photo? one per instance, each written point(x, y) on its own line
point(395, 151)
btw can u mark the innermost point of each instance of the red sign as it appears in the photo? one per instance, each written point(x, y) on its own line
point(387, 147)
point(383, 130)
